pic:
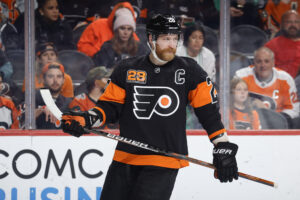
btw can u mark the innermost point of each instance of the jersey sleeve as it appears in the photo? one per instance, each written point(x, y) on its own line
point(112, 100)
point(291, 102)
point(203, 98)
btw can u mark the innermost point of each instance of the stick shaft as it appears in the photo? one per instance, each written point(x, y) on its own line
point(174, 155)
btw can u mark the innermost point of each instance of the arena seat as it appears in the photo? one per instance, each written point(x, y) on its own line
point(17, 59)
point(76, 64)
point(141, 33)
point(297, 81)
point(211, 40)
point(270, 119)
point(78, 32)
point(237, 61)
point(247, 38)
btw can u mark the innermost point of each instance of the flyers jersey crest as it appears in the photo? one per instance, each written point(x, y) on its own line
point(163, 101)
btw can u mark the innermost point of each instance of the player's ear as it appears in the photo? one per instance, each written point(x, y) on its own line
point(150, 40)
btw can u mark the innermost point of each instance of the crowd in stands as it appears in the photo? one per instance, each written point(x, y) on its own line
point(108, 31)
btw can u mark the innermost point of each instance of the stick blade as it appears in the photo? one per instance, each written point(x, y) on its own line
point(48, 100)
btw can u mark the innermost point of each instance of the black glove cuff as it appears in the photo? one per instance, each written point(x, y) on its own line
point(99, 114)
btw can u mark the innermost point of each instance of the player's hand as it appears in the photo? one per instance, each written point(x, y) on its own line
point(225, 162)
point(74, 122)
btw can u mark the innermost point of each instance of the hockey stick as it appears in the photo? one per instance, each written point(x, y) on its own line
point(57, 113)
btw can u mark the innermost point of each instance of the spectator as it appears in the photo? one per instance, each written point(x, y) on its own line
point(95, 83)
point(9, 10)
point(194, 37)
point(270, 87)
point(8, 34)
point(46, 53)
point(245, 12)
point(286, 46)
point(8, 112)
point(241, 12)
point(242, 115)
point(100, 31)
point(49, 27)
point(273, 11)
point(122, 45)
point(53, 74)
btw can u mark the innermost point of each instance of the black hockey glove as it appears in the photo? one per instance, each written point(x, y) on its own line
point(225, 162)
point(74, 122)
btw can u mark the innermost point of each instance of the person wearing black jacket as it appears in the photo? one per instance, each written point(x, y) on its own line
point(49, 27)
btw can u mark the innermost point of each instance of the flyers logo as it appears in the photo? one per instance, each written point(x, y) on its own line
point(163, 101)
point(268, 101)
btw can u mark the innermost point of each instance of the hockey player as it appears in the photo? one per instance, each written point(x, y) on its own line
point(148, 95)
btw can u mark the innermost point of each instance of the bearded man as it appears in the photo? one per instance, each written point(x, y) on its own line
point(286, 47)
point(53, 78)
point(149, 95)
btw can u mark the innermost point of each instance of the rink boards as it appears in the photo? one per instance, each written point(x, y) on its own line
point(44, 165)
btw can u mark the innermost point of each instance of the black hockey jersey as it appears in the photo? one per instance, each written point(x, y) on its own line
point(150, 103)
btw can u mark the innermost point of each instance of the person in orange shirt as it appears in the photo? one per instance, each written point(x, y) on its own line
point(9, 10)
point(46, 53)
point(100, 31)
point(95, 83)
point(8, 111)
point(242, 115)
point(273, 11)
point(270, 87)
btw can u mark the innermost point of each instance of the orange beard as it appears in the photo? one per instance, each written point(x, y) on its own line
point(165, 54)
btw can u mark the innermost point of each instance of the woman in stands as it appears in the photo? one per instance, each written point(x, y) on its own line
point(49, 26)
point(194, 37)
point(122, 45)
point(242, 115)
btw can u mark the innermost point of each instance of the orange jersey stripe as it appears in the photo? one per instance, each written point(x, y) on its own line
point(219, 132)
point(201, 95)
point(154, 160)
point(113, 93)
